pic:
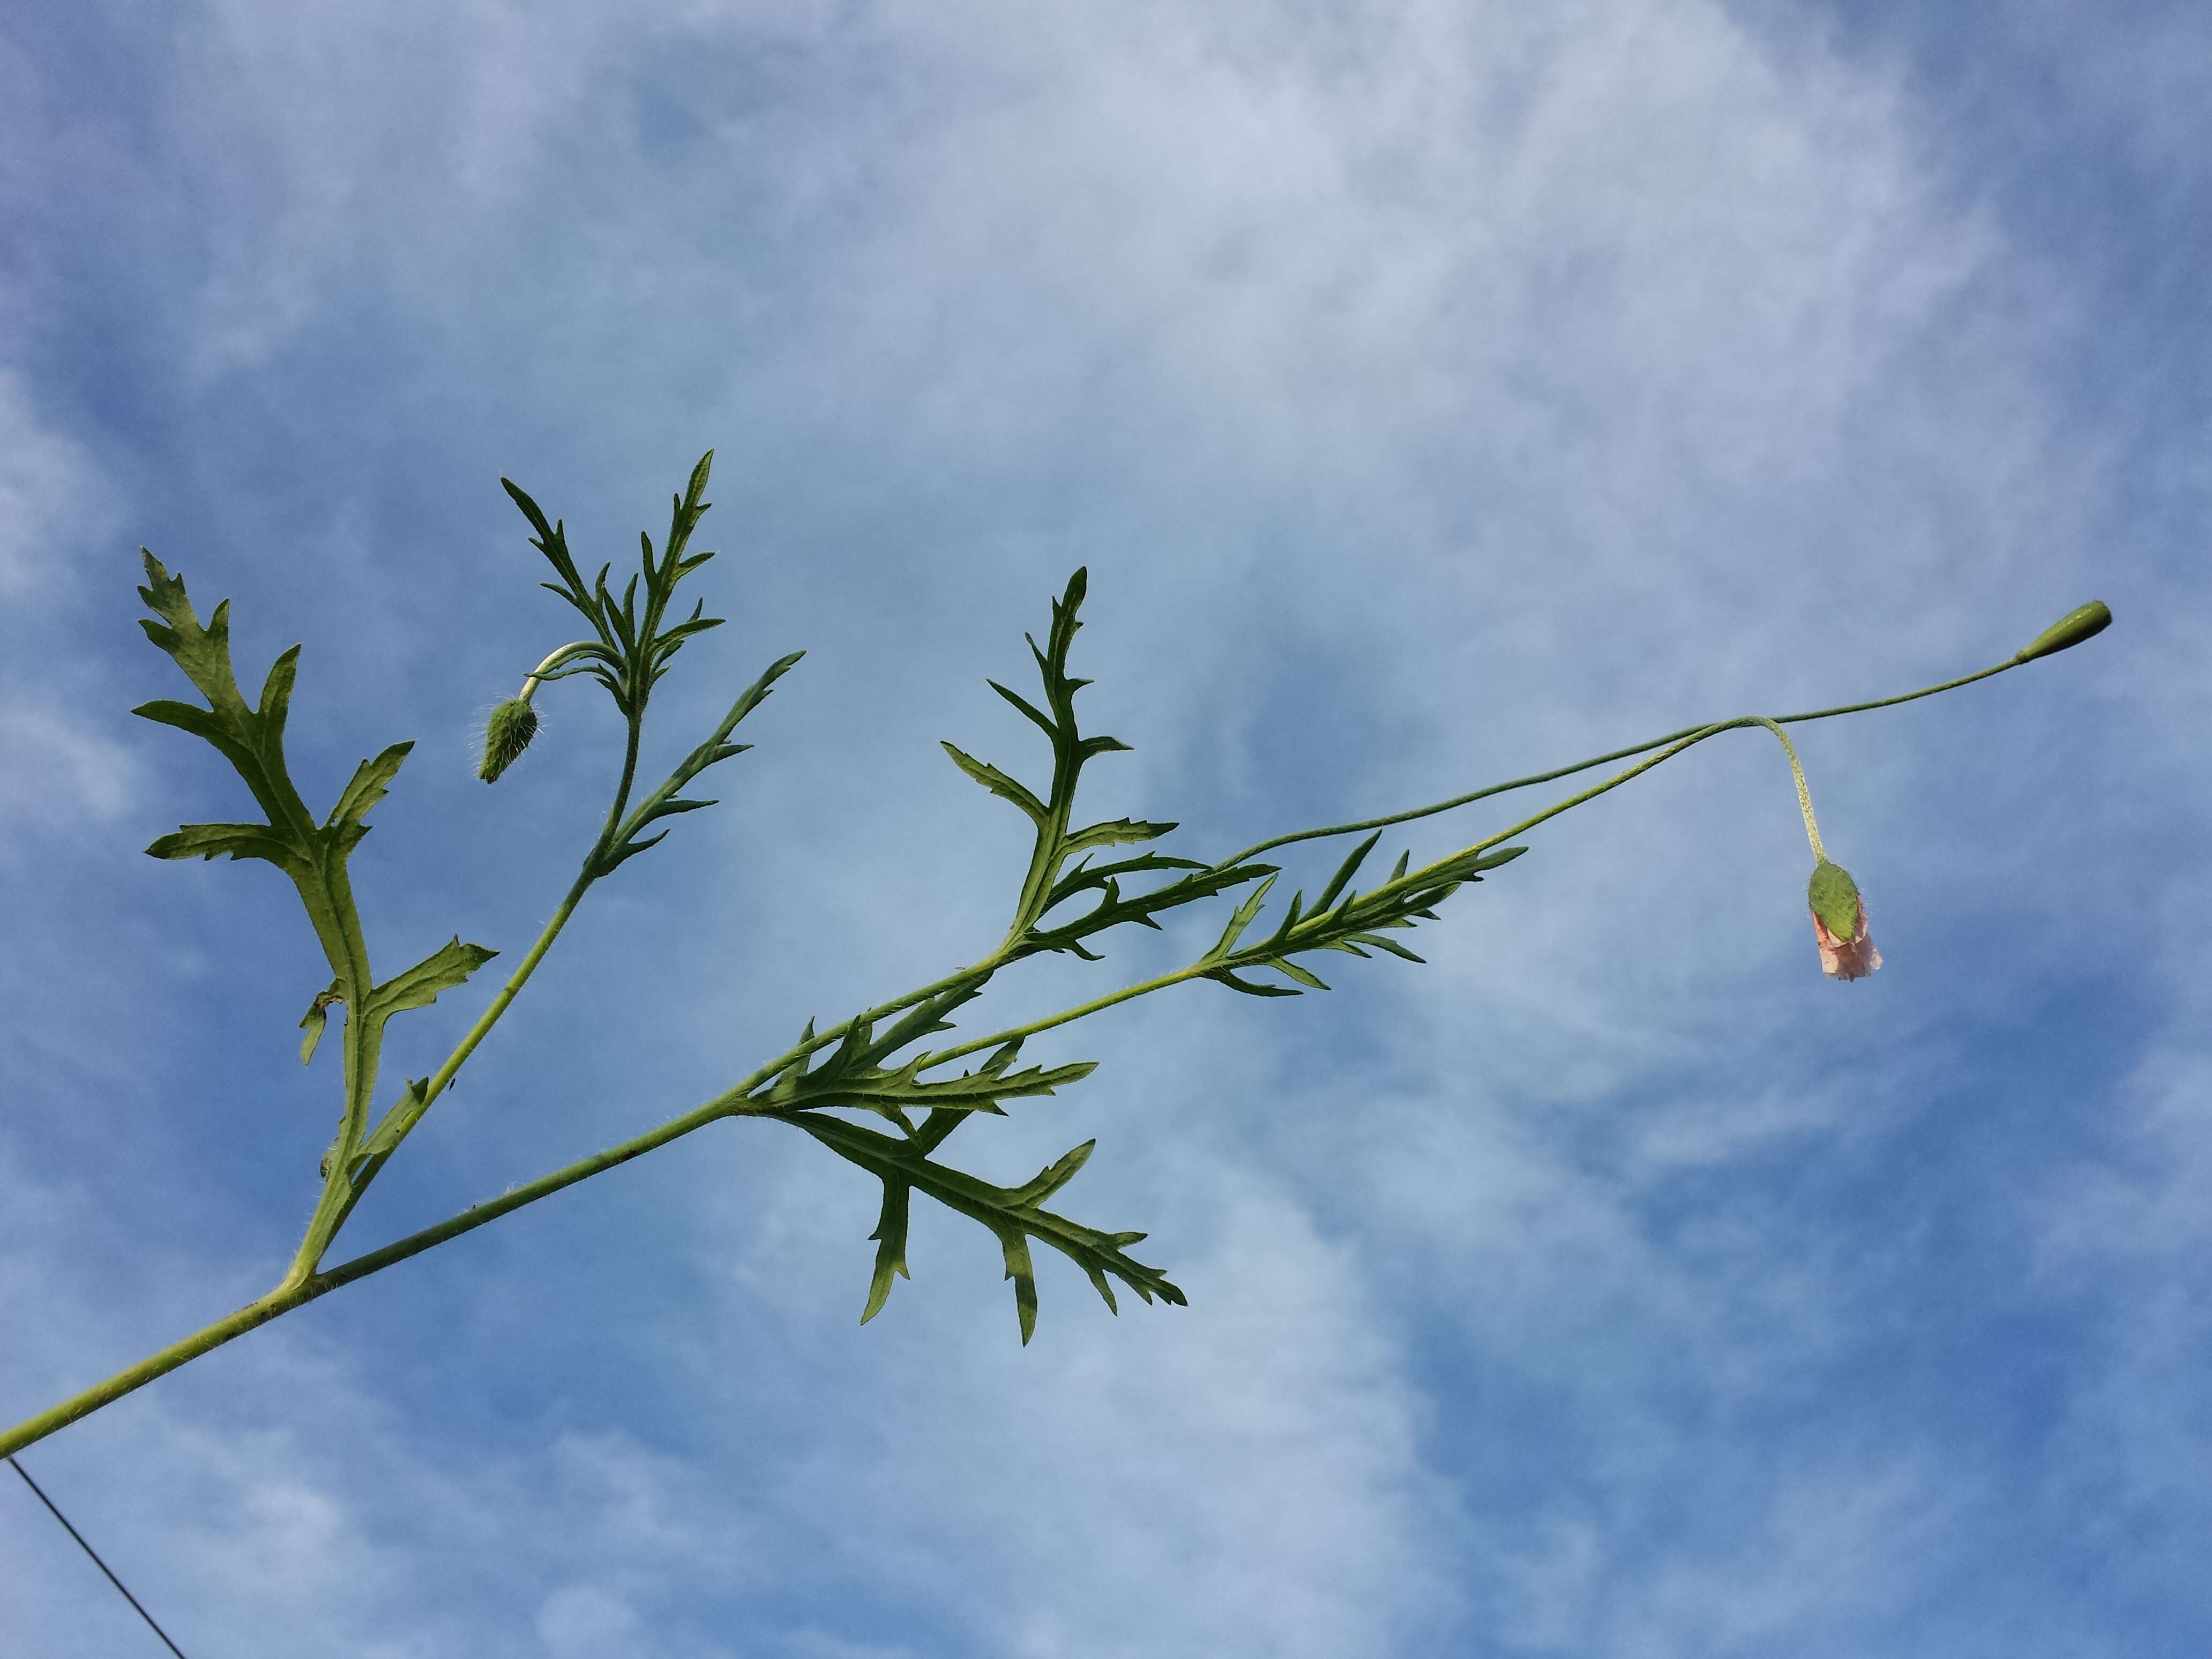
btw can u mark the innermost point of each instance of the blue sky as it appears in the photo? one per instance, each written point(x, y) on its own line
point(1434, 392)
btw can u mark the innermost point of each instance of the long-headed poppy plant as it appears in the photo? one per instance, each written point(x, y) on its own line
point(1082, 880)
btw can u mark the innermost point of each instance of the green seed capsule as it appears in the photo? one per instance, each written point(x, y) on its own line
point(2069, 631)
point(507, 734)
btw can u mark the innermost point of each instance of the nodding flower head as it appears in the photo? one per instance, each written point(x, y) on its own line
point(1839, 923)
point(507, 734)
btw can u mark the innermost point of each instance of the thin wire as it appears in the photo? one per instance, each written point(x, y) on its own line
point(96, 1561)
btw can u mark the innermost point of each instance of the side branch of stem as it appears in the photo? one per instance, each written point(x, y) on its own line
point(1553, 776)
point(307, 1281)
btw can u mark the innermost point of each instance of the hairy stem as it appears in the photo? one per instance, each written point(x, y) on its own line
point(297, 1293)
point(32, 1430)
point(301, 1287)
point(1675, 742)
point(1535, 778)
point(414, 1109)
point(329, 905)
point(1804, 793)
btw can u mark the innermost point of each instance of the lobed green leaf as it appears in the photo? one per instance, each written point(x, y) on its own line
point(371, 782)
point(1013, 1215)
point(239, 841)
point(445, 967)
point(999, 783)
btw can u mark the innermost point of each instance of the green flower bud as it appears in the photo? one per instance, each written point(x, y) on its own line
point(1835, 899)
point(2069, 631)
point(507, 734)
point(1839, 923)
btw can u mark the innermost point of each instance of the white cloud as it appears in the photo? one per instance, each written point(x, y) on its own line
point(53, 499)
point(1821, 1550)
point(586, 1619)
point(2121, 1235)
point(1252, 1480)
point(63, 771)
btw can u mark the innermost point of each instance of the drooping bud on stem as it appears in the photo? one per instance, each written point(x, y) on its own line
point(1839, 923)
point(1839, 913)
point(514, 722)
point(507, 734)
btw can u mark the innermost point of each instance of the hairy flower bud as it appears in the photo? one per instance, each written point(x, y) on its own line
point(507, 734)
point(1839, 923)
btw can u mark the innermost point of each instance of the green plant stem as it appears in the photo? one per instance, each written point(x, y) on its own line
point(338, 924)
point(33, 1430)
point(1804, 792)
point(1097, 1005)
point(1254, 955)
point(554, 658)
point(353, 1188)
point(445, 1074)
point(296, 1293)
point(1676, 742)
point(1050, 850)
point(297, 1289)
point(1535, 778)
point(608, 832)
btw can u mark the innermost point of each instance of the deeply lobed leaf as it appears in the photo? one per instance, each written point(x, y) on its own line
point(634, 646)
point(1013, 1214)
point(444, 969)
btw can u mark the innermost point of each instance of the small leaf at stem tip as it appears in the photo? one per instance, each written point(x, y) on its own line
point(2083, 622)
point(507, 734)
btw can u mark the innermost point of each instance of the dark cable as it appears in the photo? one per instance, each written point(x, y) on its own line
point(96, 1561)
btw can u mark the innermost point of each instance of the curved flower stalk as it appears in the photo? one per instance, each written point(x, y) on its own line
point(1839, 913)
point(1075, 889)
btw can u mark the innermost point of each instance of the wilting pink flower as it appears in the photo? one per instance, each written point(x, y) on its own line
point(1851, 958)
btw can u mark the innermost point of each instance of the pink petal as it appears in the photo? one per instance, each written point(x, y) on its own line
point(1852, 958)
